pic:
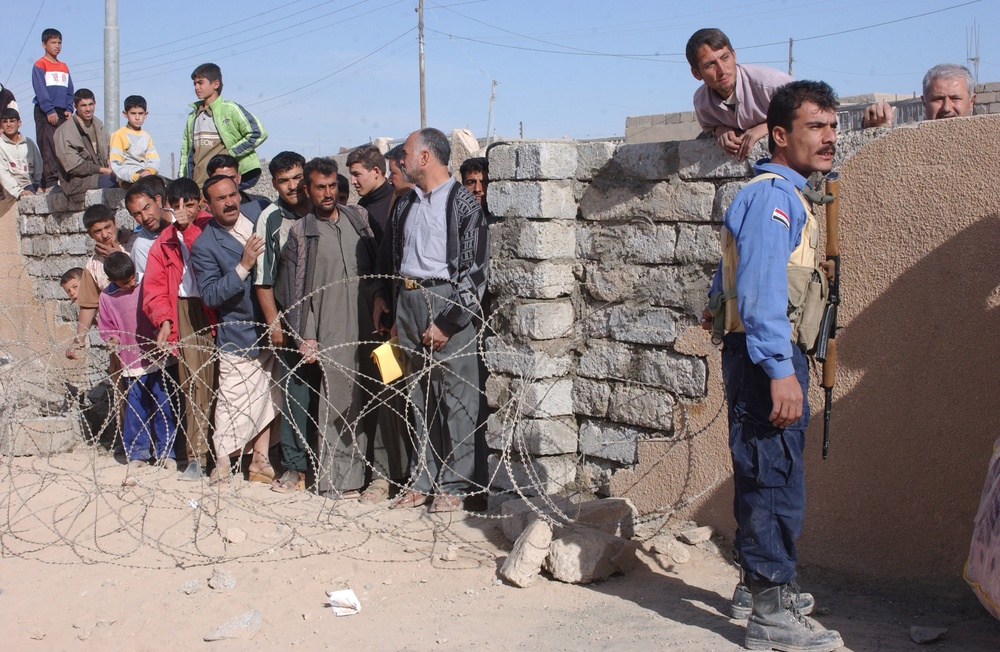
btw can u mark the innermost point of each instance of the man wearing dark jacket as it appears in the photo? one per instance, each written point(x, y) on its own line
point(439, 245)
point(366, 165)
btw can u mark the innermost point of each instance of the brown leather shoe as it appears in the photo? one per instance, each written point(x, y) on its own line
point(446, 503)
point(409, 499)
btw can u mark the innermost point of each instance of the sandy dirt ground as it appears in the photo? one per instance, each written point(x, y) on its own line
point(90, 564)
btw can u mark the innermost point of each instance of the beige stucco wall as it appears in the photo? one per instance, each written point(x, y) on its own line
point(916, 410)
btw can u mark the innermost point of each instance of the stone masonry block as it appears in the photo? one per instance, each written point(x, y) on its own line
point(546, 160)
point(697, 244)
point(642, 406)
point(615, 516)
point(544, 240)
point(685, 288)
point(642, 325)
point(75, 244)
point(666, 201)
point(32, 224)
point(616, 284)
point(682, 374)
point(503, 164)
point(528, 360)
point(556, 436)
point(543, 321)
point(61, 223)
point(548, 398)
point(533, 199)
point(724, 197)
point(497, 390)
point(591, 158)
point(591, 397)
point(581, 555)
point(544, 280)
point(639, 242)
point(610, 441)
point(645, 161)
point(533, 476)
point(604, 360)
point(702, 158)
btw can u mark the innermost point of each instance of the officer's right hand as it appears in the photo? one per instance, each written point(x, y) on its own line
point(786, 399)
point(706, 319)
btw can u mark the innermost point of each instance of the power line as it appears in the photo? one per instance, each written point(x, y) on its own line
point(26, 37)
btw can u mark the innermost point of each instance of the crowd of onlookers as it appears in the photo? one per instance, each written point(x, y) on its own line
point(242, 329)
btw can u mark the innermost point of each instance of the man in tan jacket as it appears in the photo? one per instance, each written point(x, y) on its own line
point(82, 150)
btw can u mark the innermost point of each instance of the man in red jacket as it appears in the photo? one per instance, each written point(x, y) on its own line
point(172, 302)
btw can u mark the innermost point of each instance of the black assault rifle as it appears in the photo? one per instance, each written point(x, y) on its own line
point(826, 345)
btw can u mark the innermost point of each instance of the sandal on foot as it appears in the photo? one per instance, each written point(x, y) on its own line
point(333, 494)
point(264, 473)
point(218, 478)
point(409, 499)
point(446, 503)
point(289, 482)
point(376, 492)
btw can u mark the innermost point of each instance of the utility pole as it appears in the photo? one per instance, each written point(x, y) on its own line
point(489, 121)
point(111, 99)
point(423, 96)
point(790, 58)
point(972, 51)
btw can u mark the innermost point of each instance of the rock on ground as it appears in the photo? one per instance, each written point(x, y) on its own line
point(221, 580)
point(612, 515)
point(530, 550)
point(243, 626)
point(697, 535)
point(581, 555)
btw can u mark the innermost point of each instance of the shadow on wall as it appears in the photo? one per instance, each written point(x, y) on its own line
point(912, 438)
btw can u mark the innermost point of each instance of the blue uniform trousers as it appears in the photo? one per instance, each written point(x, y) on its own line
point(770, 498)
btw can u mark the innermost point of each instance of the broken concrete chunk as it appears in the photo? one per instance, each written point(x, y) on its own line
point(580, 555)
point(243, 626)
point(235, 535)
point(530, 550)
point(697, 535)
point(221, 580)
point(612, 515)
point(671, 548)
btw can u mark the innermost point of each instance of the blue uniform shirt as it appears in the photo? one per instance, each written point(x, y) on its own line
point(766, 219)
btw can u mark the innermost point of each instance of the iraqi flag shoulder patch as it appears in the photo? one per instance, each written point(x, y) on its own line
point(779, 216)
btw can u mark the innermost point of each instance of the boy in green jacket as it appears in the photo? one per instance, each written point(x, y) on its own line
point(218, 126)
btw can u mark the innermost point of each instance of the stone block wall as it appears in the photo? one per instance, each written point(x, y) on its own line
point(987, 98)
point(53, 240)
point(601, 260)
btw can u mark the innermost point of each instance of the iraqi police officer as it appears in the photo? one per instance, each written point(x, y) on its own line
point(769, 241)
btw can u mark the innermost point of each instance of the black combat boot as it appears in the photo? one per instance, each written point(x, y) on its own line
point(804, 603)
point(773, 625)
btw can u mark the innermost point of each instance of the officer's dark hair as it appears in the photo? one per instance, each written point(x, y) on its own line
point(221, 161)
point(83, 94)
point(96, 214)
point(284, 161)
point(156, 184)
point(320, 165)
point(51, 33)
point(435, 142)
point(710, 36)
point(10, 113)
point(395, 154)
point(211, 181)
point(476, 164)
point(135, 102)
point(182, 190)
point(209, 71)
point(119, 267)
point(343, 184)
point(71, 274)
point(787, 100)
point(368, 156)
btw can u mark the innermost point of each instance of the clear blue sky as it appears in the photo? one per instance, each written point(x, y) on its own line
point(321, 75)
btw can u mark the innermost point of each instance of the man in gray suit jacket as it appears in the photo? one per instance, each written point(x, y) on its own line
point(224, 257)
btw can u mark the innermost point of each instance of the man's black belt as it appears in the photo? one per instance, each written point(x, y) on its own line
point(417, 283)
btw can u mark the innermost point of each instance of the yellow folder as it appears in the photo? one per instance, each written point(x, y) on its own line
point(389, 360)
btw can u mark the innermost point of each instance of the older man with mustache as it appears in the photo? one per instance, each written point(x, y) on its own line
point(248, 401)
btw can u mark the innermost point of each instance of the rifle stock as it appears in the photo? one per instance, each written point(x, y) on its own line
point(826, 348)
